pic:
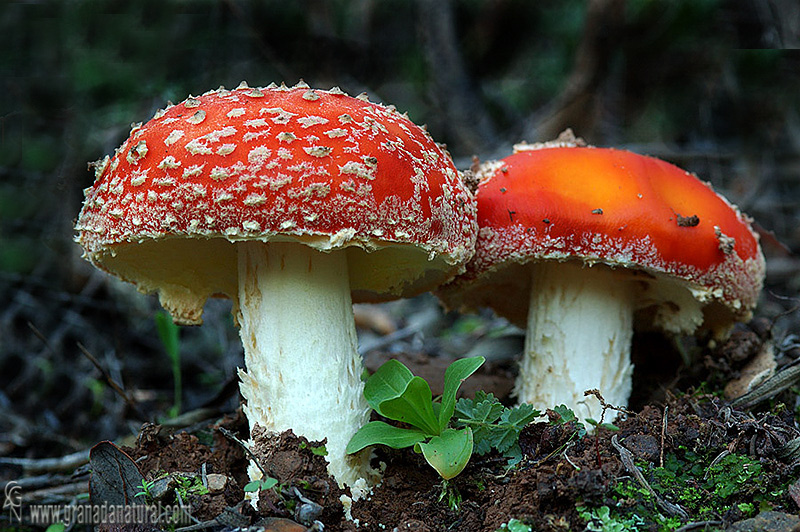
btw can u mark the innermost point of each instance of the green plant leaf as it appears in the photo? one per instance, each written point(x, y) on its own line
point(168, 333)
point(414, 406)
point(493, 425)
point(260, 485)
point(380, 433)
point(449, 453)
point(268, 483)
point(514, 525)
point(566, 414)
point(484, 407)
point(520, 415)
point(388, 382)
point(454, 375)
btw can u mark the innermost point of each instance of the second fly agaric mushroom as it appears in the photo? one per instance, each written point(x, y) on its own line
point(579, 245)
point(292, 202)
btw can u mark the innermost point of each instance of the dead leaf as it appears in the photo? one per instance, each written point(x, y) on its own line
point(116, 479)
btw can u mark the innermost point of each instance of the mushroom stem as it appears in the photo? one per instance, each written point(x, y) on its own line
point(580, 325)
point(300, 349)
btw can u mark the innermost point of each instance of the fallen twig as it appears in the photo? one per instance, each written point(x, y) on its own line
point(663, 435)
point(566, 457)
point(606, 406)
point(184, 509)
point(790, 451)
point(49, 465)
point(57, 493)
point(697, 524)
point(715, 461)
point(249, 453)
point(231, 436)
point(230, 518)
point(198, 526)
point(37, 482)
point(114, 386)
point(770, 388)
point(627, 460)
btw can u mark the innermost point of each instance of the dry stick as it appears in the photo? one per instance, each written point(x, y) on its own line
point(191, 417)
point(198, 526)
point(769, 388)
point(41, 337)
point(566, 457)
point(37, 482)
point(230, 435)
point(229, 518)
point(663, 435)
point(697, 524)
point(186, 510)
point(596, 393)
point(61, 492)
point(715, 461)
point(627, 460)
point(387, 339)
point(204, 474)
point(114, 386)
point(48, 465)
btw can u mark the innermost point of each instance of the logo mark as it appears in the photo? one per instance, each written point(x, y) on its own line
point(13, 501)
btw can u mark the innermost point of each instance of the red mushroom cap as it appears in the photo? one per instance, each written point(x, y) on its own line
point(313, 166)
point(611, 207)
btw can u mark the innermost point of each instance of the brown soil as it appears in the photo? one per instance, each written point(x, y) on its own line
point(558, 471)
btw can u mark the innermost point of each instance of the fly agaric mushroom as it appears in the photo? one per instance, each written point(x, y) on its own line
point(581, 244)
point(293, 202)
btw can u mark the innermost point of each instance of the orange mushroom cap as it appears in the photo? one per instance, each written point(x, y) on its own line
point(611, 207)
point(297, 164)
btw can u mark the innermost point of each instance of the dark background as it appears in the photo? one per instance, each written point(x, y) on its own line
point(711, 85)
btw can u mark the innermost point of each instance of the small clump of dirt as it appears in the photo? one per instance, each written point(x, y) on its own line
point(304, 491)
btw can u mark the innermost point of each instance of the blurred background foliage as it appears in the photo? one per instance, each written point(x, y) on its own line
point(712, 85)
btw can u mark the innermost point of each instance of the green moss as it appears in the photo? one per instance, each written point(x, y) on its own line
point(706, 492)
point(605, 519)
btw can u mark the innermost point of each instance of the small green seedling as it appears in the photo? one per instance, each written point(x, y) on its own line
point(144, 490)
point(190, 486)
point(395, 393)
point(261, 485)
point(318, 450)
point(596, 424)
